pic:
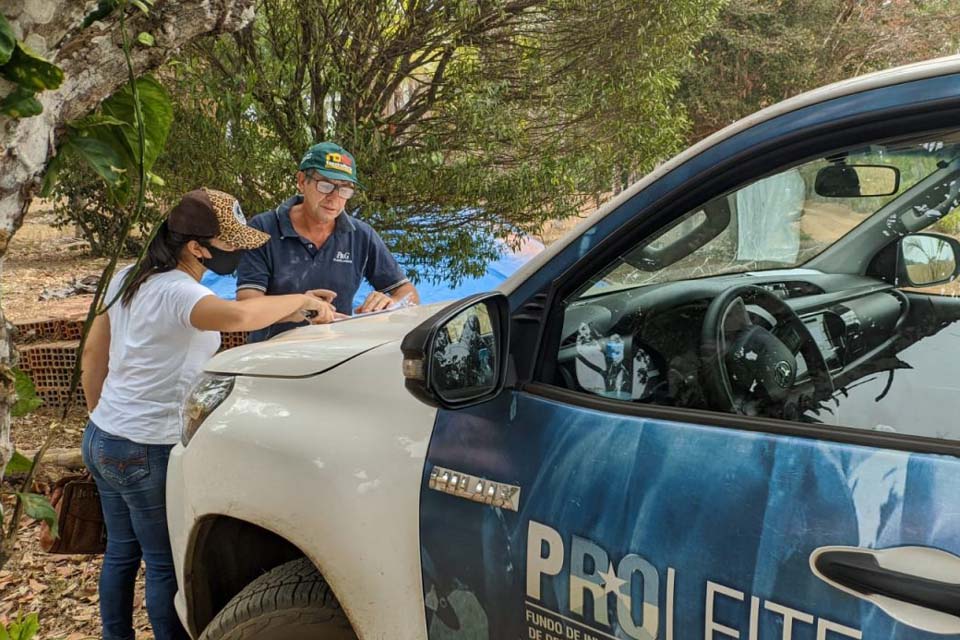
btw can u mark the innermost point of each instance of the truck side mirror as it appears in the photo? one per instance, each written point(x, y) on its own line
point(458, 357)
point(927, 259)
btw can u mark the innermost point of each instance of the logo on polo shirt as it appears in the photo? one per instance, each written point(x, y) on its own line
point(343, 256)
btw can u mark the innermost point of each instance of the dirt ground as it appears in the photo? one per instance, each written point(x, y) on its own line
point(43, 257)
point(62, 589)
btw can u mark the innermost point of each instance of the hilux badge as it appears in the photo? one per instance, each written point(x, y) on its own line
point(462, 485)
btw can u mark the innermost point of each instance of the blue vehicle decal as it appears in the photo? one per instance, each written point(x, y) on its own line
point(639, 528)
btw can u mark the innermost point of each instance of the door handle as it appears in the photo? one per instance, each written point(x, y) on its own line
point(919, 586)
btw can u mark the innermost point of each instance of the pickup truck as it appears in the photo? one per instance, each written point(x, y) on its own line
point(725, 406)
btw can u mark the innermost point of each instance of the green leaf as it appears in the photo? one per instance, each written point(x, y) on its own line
point(3, 632)
point(29, 626)
point(39, 508)
point(139, 4)
point(8, 43)
point(157, 118)
point(156, 180)
point(27, 399)
point(25, 628)
point(19, 463)
point(53, 172)
point(146, 39)
point(31, 71)
point(101, 156)
point(21, 103)
point(97, 120)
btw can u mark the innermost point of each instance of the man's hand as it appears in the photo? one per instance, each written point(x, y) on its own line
point(376, 301)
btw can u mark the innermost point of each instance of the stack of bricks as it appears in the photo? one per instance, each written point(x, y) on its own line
point(231, 339)
point(48, 353)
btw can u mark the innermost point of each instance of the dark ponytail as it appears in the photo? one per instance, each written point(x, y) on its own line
point(163, 254)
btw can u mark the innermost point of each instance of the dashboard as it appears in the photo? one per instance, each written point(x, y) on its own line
point(852, 320)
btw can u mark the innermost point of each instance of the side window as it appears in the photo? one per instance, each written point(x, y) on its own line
point(768, 300)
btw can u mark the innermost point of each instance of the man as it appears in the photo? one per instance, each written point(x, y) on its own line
point(314, 245)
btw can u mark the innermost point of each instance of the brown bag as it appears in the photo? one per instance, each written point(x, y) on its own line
point(79, 517)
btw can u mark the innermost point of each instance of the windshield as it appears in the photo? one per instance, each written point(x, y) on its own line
point(784, 220)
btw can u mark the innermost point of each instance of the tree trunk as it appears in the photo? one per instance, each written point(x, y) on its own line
point(94, 67)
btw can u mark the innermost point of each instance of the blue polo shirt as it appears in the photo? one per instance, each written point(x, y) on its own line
point(290, 263)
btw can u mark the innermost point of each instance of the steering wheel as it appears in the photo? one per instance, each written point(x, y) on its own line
point(746, 367)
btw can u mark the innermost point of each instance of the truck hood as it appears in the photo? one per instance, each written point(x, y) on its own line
point(307, 351)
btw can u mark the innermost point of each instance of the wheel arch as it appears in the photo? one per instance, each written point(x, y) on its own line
point(224, 555)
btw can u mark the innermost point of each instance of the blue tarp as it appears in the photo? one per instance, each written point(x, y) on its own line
point(497, 271)
point(224, 286)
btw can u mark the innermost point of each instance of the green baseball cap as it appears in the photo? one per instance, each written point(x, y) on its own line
point(331, 161)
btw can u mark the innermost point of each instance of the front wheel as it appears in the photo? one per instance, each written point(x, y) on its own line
point(291, 602)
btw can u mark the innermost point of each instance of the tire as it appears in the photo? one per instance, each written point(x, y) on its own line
point(291, 602)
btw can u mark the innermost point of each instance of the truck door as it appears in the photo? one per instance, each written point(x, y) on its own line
point(609, 494)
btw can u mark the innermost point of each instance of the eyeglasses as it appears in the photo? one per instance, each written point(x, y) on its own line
point(326, 188)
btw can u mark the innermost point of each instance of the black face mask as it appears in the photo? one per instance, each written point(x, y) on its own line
point(221, 262)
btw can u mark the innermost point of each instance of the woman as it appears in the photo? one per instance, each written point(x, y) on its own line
point(139, 362)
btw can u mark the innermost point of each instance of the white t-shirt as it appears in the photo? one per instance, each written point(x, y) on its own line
point(155, 355)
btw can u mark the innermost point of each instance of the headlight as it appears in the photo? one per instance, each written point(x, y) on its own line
point(206, 395)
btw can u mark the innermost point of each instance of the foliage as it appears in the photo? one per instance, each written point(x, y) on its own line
point(950, 223)
point(18, 464)
point(761, 52)
point(38, 507)
point(20, 103)
point(29, 72)
point(105, 7)
point(215, 141)
point(23, 628)
point(81, 198)
point(96, 171)
point(466, 118)
point(27, 399)
point(34, 505)
point(108, 141)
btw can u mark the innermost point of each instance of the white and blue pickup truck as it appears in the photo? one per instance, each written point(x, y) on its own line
point(725, 406)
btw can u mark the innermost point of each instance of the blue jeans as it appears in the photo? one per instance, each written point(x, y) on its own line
point(131, 478)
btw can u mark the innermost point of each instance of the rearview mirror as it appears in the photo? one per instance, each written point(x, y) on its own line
point(928, 259)
point(857, 181)
point(457, 358)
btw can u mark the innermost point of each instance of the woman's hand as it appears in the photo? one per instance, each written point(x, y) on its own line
point(316, 306)
point(325, 294)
